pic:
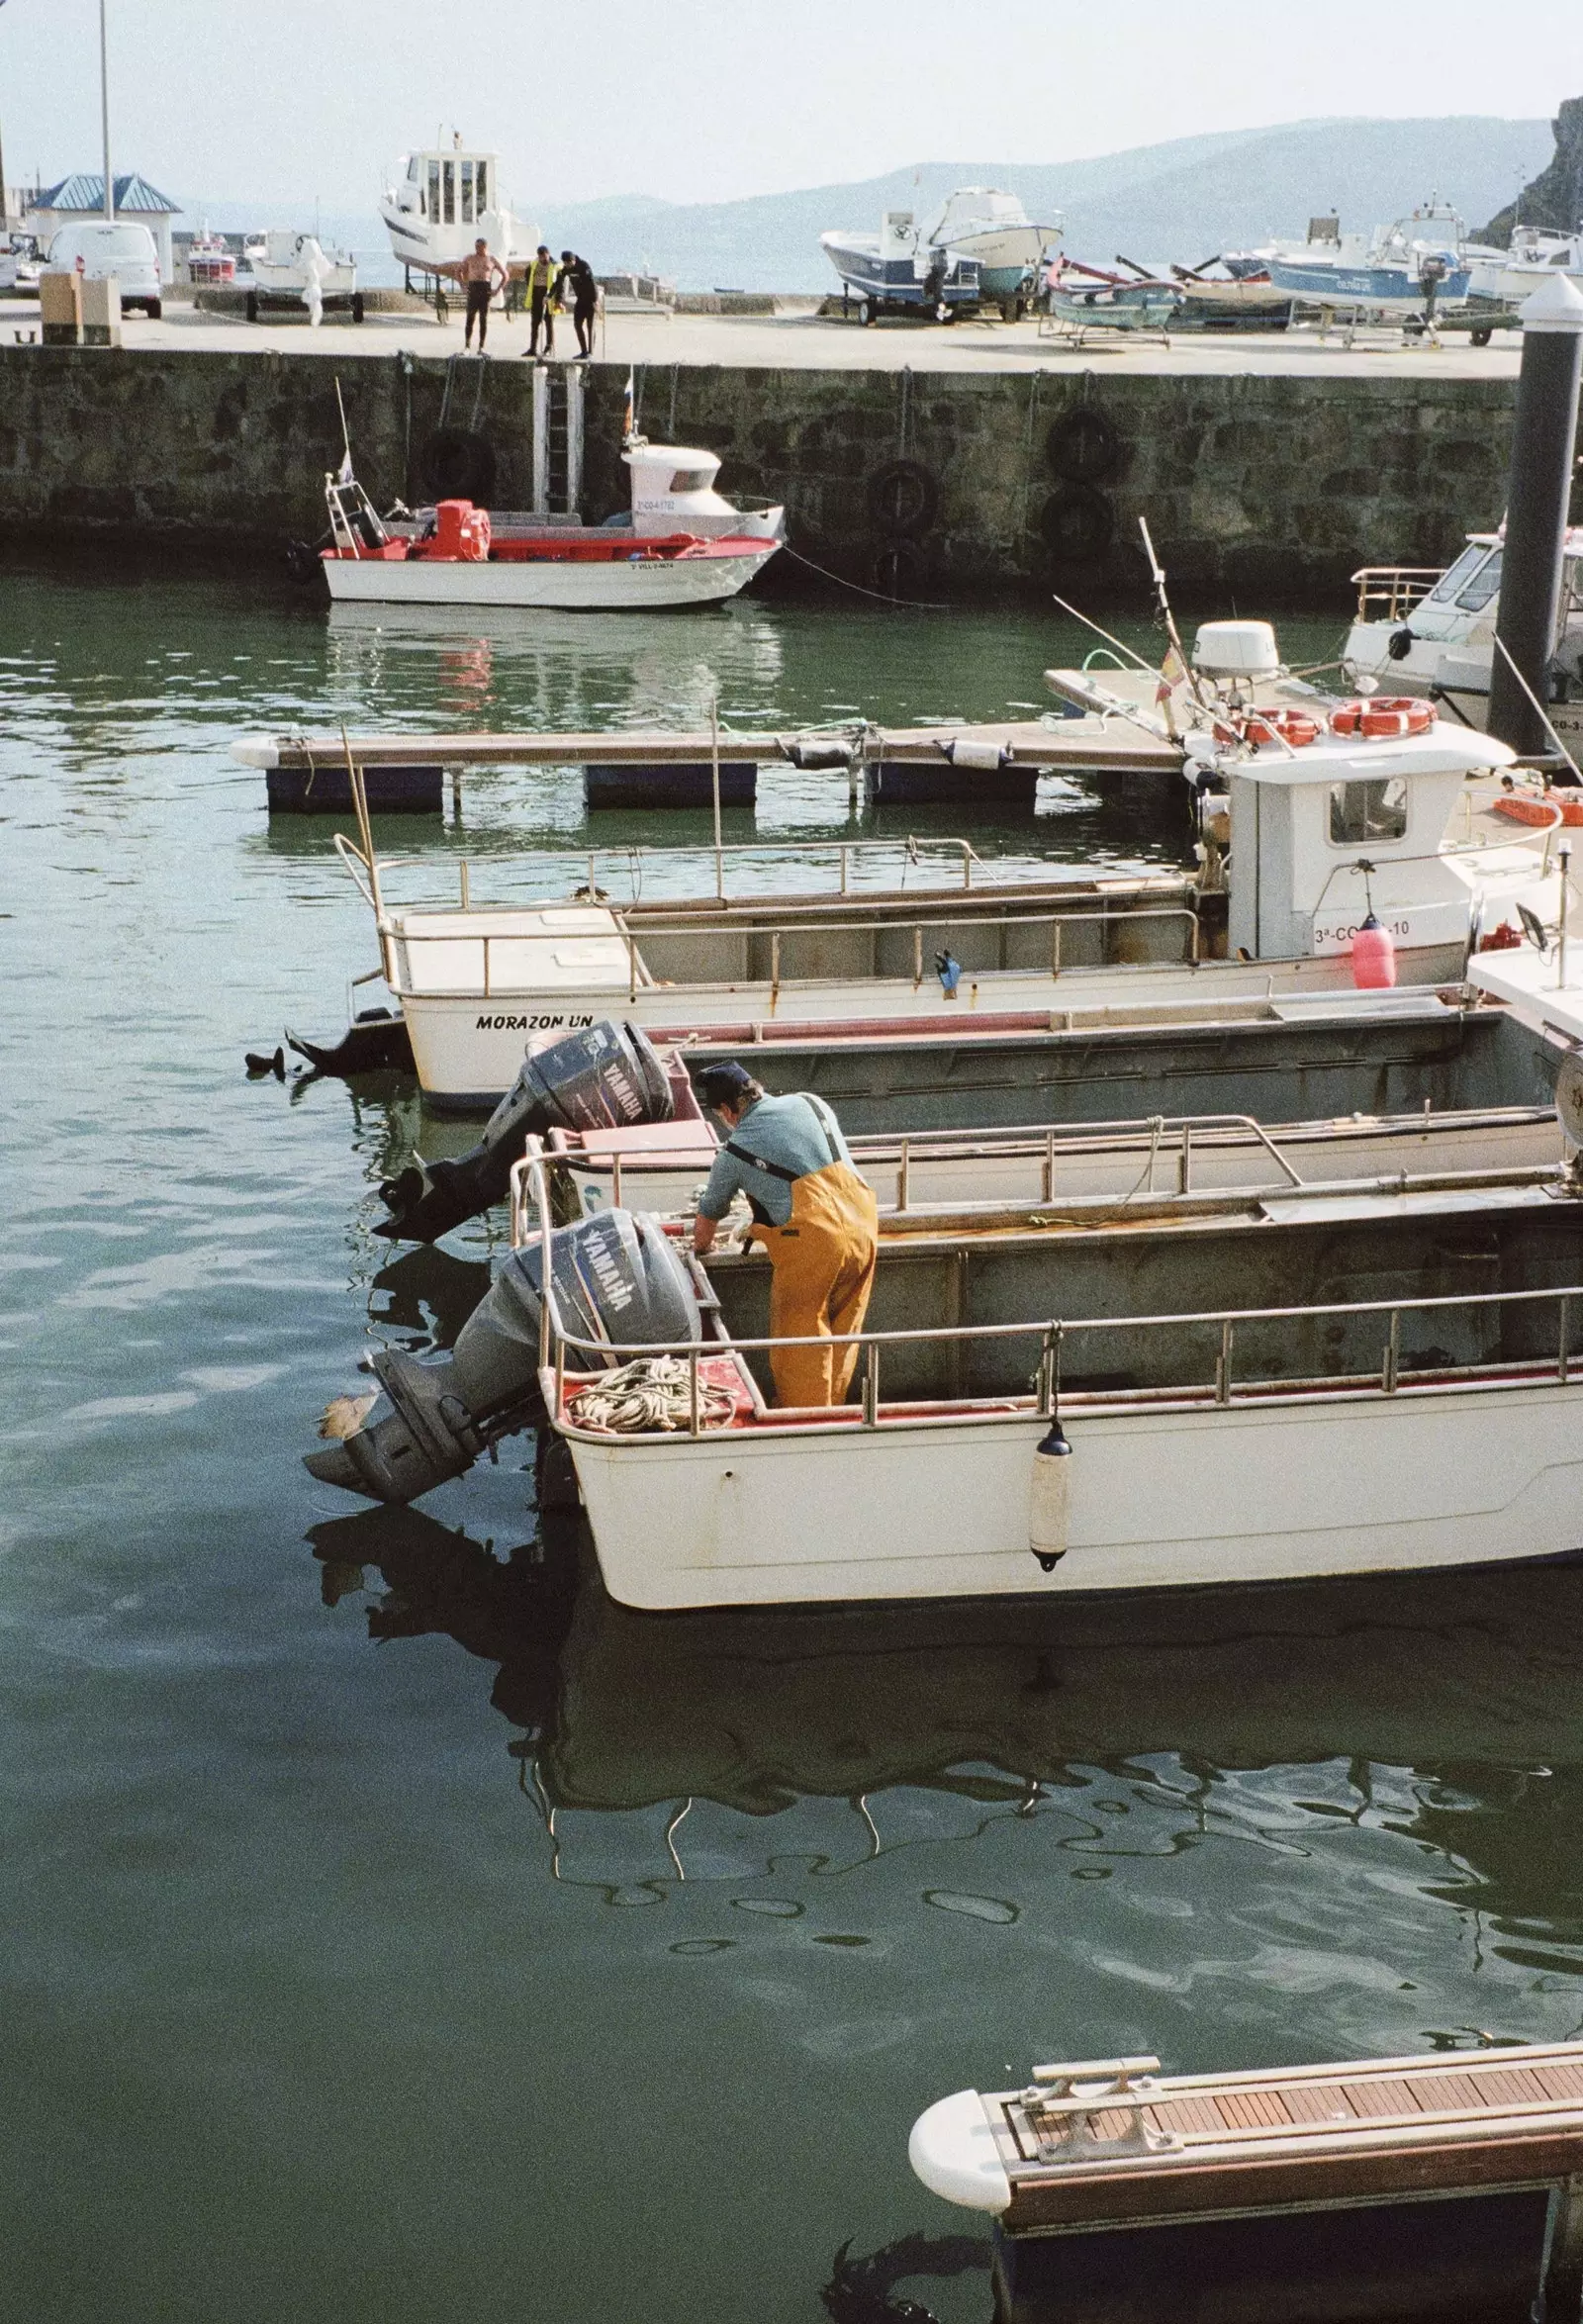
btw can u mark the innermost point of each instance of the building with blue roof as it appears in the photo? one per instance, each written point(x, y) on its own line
point(81, 196)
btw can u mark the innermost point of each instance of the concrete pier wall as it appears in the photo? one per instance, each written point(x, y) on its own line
point(1265, 490)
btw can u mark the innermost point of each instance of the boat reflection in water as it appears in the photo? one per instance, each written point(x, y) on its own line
point(1443, 1707)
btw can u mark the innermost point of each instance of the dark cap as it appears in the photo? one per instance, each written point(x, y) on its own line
point(725, 1084)
point(567, 255)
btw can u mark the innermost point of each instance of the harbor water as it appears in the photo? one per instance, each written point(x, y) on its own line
point(396, 1928)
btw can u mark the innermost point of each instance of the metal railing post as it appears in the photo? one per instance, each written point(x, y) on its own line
point(1047, 1175)
point(1055, 950)
point(1393, 1352)
point(485, 967)
point(904, 1175)
point(1223, 1363)
point(1566, 1335)
point(1184, 1169)
point(871, 1385)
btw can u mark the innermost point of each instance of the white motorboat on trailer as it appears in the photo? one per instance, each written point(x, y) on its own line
point(1325, 827)
point(899, 270)
point(683, 543)
point(994, 232)
point(1420, 630)
point(442, 201)
point(1415, 263)
point(285, 264)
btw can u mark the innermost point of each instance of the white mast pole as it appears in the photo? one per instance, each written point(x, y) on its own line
point(104, 111)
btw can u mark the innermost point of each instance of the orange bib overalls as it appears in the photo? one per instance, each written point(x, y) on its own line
point(823, 1261)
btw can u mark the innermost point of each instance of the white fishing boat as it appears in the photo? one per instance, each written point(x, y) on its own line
point(683, 543)
point(283, 264)
point(1394, 269)
point(1506, 278)
point(1431, 634)
point(1332, 818)
point(1053, 1396)
point(441, 200)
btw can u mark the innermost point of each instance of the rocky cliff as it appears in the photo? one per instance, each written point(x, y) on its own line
point(1554, 200)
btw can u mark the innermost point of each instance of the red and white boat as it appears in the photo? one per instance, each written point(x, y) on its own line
point(683, 544)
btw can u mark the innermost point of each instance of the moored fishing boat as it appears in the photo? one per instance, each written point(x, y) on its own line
point(1334, 818)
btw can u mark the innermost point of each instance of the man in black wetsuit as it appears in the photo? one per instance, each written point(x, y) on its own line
point(576, 281)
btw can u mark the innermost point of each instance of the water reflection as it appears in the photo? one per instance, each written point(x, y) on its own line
point(1431, 1711)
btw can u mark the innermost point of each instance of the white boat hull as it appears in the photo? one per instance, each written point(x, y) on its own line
point(642, 584)
point(1160, 1499)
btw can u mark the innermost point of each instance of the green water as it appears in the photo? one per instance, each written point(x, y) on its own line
point(396, 1931)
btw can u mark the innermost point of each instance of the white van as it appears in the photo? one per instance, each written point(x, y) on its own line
point(129, 252)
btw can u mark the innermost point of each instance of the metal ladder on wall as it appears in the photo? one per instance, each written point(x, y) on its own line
point(557, 439)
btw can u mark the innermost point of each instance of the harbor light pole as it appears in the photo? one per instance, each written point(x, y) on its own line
point(104, 111)
point(1544, 438)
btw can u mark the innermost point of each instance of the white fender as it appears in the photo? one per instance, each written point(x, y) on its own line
point(953, 2151)
point(1050, 1495)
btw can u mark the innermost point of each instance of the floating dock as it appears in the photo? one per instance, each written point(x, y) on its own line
point(1446, 2187)
point(997, 763)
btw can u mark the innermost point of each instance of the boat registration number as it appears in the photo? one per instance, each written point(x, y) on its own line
point(1438, 923)
point(541, 1024)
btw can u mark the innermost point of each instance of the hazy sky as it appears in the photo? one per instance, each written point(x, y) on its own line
point(283, 101)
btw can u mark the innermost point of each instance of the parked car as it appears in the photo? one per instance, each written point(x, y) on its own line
point(112, 247)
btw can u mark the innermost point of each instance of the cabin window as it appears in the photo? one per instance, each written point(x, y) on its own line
point(1451, 580)
point(689, 480)
point(1482, 587)
point(481, 185)
point(433, 210)
point(448, 192)
point(1364, 813)
point(415, 169)
point(466, 168)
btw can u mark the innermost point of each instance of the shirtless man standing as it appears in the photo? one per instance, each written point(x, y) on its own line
point(481, 273)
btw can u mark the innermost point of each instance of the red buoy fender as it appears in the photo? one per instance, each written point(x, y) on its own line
point(1374, 957)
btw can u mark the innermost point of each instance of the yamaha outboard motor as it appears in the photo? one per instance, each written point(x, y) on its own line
point(616, 1278)
point(607, 1076)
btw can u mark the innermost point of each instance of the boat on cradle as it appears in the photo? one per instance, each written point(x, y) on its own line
point(1052, 1396)
point(683, 543)
point(1437, 2186)
point(441, 200)
point(1415, 263)
point(1425, 631)
point(1089, 298)
point(1322, 822)
point(282, 264)
point(1505, 278)
point(993, 232)
point(901, 270)
point(1246, 301)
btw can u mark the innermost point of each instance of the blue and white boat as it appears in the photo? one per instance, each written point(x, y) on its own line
point(1397, 269)
point(983, 246)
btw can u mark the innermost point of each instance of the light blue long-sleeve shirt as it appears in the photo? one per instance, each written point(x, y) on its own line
point(798, 1134)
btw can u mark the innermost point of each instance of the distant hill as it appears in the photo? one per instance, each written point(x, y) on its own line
point(1185, 200)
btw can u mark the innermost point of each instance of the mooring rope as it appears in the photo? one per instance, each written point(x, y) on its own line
point(904, 604)
point(651, 1392)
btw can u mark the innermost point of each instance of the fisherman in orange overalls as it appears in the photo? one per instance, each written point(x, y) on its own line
point(813, 1214)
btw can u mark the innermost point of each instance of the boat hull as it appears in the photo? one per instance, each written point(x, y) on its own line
point(1390, 287)
point(620, 584)
point(1172, 1498)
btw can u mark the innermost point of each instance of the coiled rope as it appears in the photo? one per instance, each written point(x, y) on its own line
point(652, 1392)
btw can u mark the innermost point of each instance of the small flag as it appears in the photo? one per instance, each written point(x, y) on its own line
point(345, 476)
point(629, 428)
point(1173, 670)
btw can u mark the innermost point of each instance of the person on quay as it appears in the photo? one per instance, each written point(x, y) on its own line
point(815, 1217)
point(576, 282)
point(483, 275)
point(540, 287)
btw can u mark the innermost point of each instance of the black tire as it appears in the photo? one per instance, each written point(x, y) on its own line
point(904, 497)
point(1019, 308)
point(253, 306)
point(1482, 336)
point(302, 562)
point(154, 308)
point(457, 465)
point(1078, 525)
point(357, 307)
point(864, 311)
point(1082, 447)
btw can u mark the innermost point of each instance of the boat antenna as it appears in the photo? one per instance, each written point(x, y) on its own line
point(1164, 602)
point(1119, 643)
point(345, 436)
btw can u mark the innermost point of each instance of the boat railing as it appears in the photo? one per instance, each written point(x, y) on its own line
point(1388, 593)
point(640, 979)
point(1053, 1334)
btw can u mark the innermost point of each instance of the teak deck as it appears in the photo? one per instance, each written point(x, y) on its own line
point(1118, 2142)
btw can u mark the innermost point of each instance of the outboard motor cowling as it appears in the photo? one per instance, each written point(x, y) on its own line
point(604, 1077)
point(616, 1278)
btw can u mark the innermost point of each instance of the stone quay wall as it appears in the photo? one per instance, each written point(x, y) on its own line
point(1259, 490)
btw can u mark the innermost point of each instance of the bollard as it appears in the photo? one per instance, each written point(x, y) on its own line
point(1544, 438)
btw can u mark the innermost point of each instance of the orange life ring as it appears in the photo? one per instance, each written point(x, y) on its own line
point(1384, 717)
point(1287, 726)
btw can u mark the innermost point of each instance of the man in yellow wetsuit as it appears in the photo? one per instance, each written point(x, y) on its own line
point(540, 286)
point(815, 1217)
